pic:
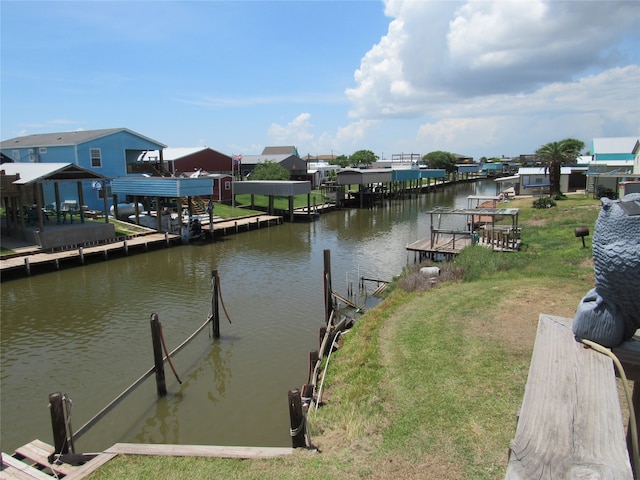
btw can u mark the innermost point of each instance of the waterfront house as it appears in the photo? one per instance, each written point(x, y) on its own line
point(111, 153)
point(287, 157)
point(612, 163)
point(191, 159)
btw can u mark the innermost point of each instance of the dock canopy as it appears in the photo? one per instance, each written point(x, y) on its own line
point(167, 187)
point(362, 176)
point(279, 188)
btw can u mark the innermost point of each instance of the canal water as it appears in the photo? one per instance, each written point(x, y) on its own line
point(85, 331)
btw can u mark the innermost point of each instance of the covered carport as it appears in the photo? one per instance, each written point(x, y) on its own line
point(368, 180)
point(29, 207)
point(272, 189)
point(160, 188)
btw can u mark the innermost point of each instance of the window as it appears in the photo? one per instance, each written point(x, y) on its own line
point(101, 192)
point(42, 150)
point(16, 155)
point(227, 185)
point(96, 157)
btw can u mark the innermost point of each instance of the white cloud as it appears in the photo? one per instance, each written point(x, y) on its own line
point(597, 103)
point(440, 52)
point(295, 132)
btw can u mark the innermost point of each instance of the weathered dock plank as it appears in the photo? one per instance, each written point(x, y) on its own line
point(38, 452)
point(570, 423)
point(15, 469)
point(199, 451)
point(245, 223)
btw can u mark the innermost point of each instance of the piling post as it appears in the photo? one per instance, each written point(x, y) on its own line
point(158, 358)
point(27, 266)
point(297, 419)
point(321, 333)
point(328, 302)
point(81, 252)
point(58, 423)
point(215, 292)
point(314, 356)
point(126, 246)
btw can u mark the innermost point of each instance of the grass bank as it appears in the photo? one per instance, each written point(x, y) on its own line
point(428, 384)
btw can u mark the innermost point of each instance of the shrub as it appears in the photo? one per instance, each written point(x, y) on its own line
point(546, 202)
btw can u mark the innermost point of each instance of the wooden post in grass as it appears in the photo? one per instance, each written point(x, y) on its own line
point(297, 419)
point(60, 442)
point(158, 358)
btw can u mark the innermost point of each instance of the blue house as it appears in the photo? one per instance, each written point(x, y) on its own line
point(112, 153)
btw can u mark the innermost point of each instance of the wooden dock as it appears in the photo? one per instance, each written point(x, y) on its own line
point(31, 461)
point(448, 246)
point(30, 261)
point(243, 224)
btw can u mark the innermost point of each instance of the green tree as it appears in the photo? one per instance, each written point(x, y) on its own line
point(363, 157)
point(439, 159)
point(270, 170)
point(341, 160)
point(554, 155)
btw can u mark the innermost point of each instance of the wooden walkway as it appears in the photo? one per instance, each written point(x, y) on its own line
point(447, 246)
point(50, 260)
point(27, 261)
point(31, 461)
point(237, 225)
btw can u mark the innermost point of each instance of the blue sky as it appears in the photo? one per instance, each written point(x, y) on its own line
point(480, 78)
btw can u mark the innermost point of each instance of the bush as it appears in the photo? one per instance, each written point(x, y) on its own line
point(546, 202)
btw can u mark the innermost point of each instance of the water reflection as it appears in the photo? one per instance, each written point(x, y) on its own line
point(85, 331)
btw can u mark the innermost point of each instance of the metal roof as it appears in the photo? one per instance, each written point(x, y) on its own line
point(541, 171)
point(176, 153)
point(168, 187)
point(364, 176)
point(256, 159)
point(49, 172)
point(613, 145)
point(66, 138)
point(272, 187)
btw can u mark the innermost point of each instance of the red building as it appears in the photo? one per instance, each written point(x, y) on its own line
point(189, 160)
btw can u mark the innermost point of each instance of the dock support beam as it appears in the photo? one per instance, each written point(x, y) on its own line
point(158, 358)
point(58, 423)
point(215, 293)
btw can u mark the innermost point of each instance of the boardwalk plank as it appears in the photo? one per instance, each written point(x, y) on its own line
point(570, 423)
point(23, 468)
point(199, 451)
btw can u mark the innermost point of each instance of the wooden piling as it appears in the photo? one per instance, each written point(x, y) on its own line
point(314, 356)
point(297, 419)
point(81, 253)
point(58, 423)
point(214, 303)
point(27, 266)
point(328, 305)
point(157, 355)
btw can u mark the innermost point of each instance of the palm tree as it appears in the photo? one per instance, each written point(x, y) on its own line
point(556, 154)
